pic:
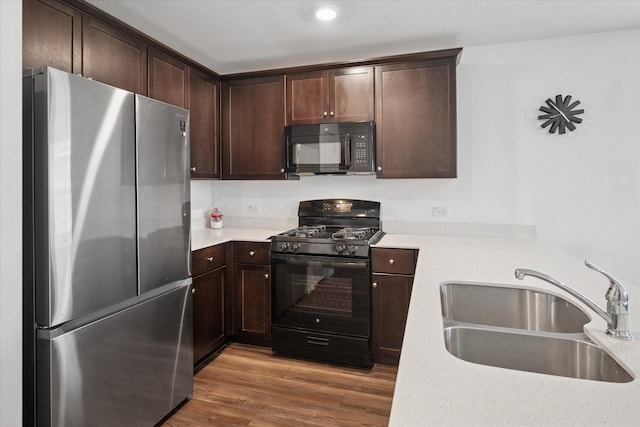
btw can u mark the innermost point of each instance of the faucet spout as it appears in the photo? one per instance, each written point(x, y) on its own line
point(617, 314)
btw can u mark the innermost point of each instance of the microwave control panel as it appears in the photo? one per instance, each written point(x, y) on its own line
point(361, 151)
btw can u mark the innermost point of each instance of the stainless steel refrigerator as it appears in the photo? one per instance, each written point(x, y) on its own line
point(107, 286)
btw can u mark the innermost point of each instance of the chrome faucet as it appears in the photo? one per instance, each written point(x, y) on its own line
point(617, 314)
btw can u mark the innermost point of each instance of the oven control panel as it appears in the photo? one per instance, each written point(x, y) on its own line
point(341, 249)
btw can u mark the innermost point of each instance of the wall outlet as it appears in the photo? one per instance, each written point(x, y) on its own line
point(441, 211)
point(253, 210)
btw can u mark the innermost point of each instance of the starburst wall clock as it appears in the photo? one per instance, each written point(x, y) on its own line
point(561, 114)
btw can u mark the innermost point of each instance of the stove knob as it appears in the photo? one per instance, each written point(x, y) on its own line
point(295, 247)
point(352, 249)
point(340, 248)
point(284, 246)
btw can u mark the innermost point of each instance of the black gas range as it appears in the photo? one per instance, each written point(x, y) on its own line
point(321, 274)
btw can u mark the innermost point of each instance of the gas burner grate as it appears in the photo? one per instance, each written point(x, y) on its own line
point(352, 233)
point(307, 231)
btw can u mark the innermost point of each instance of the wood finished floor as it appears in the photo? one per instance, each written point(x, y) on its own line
point(249, 386)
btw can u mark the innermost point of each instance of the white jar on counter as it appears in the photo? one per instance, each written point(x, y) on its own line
point(216, 218)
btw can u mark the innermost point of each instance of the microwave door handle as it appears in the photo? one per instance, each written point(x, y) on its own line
point(347, 151)
point(287, 148)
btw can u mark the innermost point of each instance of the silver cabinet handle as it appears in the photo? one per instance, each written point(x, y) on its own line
point(325, 114)
point(193, 168)
point(392, 261)
point(193, 290)
point(379, 168)
point(282, 170)
point(252, 253)
point(331, 114)
point(266, 275)
point(210, 258)
point(374, 284)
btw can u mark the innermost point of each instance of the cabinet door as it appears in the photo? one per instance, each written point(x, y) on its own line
point(253, 304)
point(416, 119)
point(113, 57)
point(168, 79)
point(208, 313)
point(351, 94)
point(205, 125)
point(307, 98)
point(390, 305)
point(341, 95)
point(51, 35)
point(253, 128)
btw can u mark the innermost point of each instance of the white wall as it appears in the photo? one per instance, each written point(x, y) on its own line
point(581, 190)
point(10, 213)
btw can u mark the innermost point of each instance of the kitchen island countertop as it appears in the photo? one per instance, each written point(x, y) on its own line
point(435, 388)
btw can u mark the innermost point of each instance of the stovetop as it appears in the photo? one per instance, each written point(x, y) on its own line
point(338, 227)
point(326, 240)
point(329, 232)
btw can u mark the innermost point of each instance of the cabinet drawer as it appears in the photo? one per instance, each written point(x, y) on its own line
point(394, 261)
point(251, 252)
point(208, 259)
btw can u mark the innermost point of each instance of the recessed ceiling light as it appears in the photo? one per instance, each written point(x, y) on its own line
point(326, 13)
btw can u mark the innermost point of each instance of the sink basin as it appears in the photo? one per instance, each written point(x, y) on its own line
point(510, 307)
point(534, 352)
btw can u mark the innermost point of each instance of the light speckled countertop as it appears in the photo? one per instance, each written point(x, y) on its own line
point(435, 388)
point(201, 238)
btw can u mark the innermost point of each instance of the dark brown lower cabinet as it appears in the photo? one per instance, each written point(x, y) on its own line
point(390, 305)
point(253, 304)
point(392, 282)
point(208, 313)
point(211, 300)
point(252, 293)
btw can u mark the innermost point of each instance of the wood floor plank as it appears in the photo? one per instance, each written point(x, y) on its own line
point(250, 386)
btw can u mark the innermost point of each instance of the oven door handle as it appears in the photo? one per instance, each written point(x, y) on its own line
point(319, 261)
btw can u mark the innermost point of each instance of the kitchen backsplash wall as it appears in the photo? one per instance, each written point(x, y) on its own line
point(579, 191)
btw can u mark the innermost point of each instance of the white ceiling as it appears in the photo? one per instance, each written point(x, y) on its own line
point(249, 35)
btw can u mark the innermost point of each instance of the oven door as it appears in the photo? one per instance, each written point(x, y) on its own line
point(325, 294)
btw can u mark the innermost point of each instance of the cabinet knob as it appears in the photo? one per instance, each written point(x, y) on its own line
point(193, 290)
point(193, 168)
point(252, 253)
point(266, 275)
point(325, 114)
point(374, 284)
point(210, 258)
point(392, 261)
point(331, 114)
point(379, 168)
point(282, 170)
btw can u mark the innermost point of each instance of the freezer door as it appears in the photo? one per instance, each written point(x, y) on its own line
point(164, 212)
point(83, 193)
point(128, 369)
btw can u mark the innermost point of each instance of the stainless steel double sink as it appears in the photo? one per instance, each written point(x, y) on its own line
point(523, 329)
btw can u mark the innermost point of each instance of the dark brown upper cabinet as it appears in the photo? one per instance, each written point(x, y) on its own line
point(168, 79)
point(51, 35)
point(113, 57)
point(416, 119)
point(340, 95)
point(253, 128)
point(205, 125)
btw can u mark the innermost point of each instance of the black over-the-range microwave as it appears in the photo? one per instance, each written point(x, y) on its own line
point(330, 148)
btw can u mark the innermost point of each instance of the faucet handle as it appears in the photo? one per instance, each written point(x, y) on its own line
point(616, 291)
